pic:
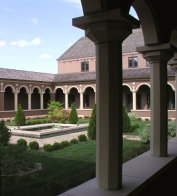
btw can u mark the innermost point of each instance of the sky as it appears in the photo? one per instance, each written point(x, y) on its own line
point(34, 33)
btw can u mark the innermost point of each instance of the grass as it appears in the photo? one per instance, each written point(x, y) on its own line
point(61, 170)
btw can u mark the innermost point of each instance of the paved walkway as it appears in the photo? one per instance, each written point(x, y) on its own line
point(68, 137)
point(49, 140)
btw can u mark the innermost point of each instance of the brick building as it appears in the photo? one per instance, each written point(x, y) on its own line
point(76, 82)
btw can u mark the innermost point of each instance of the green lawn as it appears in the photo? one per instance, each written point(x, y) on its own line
point(61, 170)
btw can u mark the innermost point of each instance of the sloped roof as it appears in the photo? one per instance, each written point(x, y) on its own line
point(84, 47)
point(14, 74)
point(140, 73)
point(75, 77)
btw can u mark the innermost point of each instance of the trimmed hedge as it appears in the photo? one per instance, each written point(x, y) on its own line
point(34, 145)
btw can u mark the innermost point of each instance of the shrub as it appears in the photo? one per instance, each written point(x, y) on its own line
point(74, 141)
point(73, 117)
point(22, 143)
point(34, 145)
point(171, 128)
point(145, 134)
point(48, 147)
point(55, 110)
point(5, 134)
point(92, 125)
point(19, 116)
point(82, 138)
point(57, 146)
point(126, 121)
point(64, 144)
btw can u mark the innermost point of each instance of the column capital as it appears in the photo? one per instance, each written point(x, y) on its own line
point(109, 25)
point(157, 53)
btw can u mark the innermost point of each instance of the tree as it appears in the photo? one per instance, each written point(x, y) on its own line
point(20, 116)
point(126, 121)
point(55, 110)
point(5, 134)
point(92, 125)
point(73, 117)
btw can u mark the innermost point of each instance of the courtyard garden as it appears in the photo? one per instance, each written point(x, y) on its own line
point(29, 169)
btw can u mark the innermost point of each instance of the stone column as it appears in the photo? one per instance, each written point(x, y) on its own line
point(41, 100)
point(16, 100)
point(108, 30)
point(158, 56)
point(134, 99)
point(173, 65)
point(66, 100)
point(1, 100)
point(81, 100)
point(29, 101)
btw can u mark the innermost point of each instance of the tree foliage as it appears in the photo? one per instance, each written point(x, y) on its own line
point(73, 117)
point(20, 116)
point(92, 124)
point(55, 110)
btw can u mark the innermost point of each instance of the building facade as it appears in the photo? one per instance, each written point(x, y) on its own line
point(76, 82)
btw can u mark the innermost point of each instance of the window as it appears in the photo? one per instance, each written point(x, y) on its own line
point(133, 62)
point(84, 66)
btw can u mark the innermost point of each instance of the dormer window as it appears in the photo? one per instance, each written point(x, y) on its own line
point(133, 62)
point(85, 66)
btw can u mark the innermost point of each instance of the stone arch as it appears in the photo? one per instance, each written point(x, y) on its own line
point(170, 97)
point(9, 102)
point(60, 96)
point(73, 87)
point(12, 87)
point(89, 86)
point(168, 83)
point(127, 97)
point(24, 86)
point(73, 96)
point(23, 97)
point(148, 21)
point(89, 97)
point(39, 89)
point(128, 86)
point(59, 88)
point(50, 89)
point(143, 97)
point(35, 98)
point(142, 84)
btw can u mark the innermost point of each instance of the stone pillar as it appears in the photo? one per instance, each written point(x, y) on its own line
point(16, 100)
point(41, 100)
point(29, 101)
point(108, 30)
point(81, 100)
point(1, 100)
point(66, 100)
point(158, 56)
point(134, 99)
point(173, 65)
point(95, 96)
